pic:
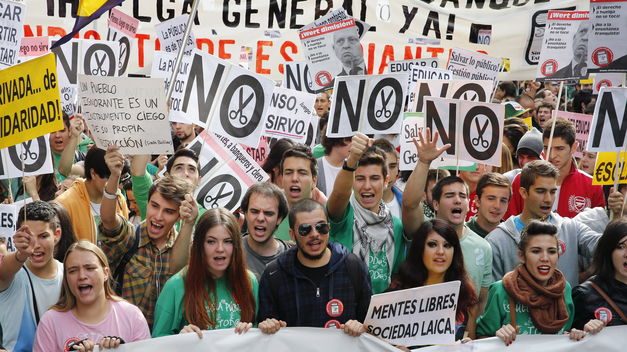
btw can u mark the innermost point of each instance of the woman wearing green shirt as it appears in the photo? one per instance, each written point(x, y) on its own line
point(215, 290)
point(534, 298)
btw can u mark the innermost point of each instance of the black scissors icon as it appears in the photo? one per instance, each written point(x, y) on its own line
point(209, 199)
point(479, 138)
point(384, 106)
point(99, 71)
point(239, 114)
point(27, 153)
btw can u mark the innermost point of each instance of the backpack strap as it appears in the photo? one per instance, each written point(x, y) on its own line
point(512, 313)
point(609, 301)
point(355, 267)
point(34, 299)
point(118, 275)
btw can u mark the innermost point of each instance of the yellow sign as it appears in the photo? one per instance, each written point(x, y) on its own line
point(604, 168)
point(29, 101)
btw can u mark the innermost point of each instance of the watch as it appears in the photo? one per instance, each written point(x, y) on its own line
point(346, 167)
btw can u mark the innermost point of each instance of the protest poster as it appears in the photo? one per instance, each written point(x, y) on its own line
point(421, 69)
point(260, 153)
point(564, 52)
point(606, 40)
point(226, 171)
point(609, 122)
point(452, 89)
point(606, 169)
point(582, 128)
point(122, 28)
point(368, 104)
point(170, 33)
point(162, 67)
point(33, 47)
point(128, 112)
point(8, 222)
point(298, 77)
point(224, 98)
point(30, 158)
point(417, 316)
point(29, 101)
point(12, 16)
point(472, 65)
point(289, 114)
point(604, 79)
point(412, 124)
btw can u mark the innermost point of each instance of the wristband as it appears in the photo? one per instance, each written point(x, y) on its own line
point(112, 196)
point(346, 167)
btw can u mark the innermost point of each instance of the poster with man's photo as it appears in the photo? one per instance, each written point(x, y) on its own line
point(332, 50)
point(564, 52)
point(608, 30)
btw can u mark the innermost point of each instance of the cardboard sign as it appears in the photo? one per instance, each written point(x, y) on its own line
point(608, 80)
point(29, 97)
point(225, 99)
point(12, 16)
point(582, 128)
point(30, 158)
point(564, 47)
point(289, 114)
point(474, 129)
point(607, 47)
point(606, 170)
point(226, 171)
point(128, 112)
point(412, 124)
point(479, 91)
point(171, 33)
point(122, 28)
point(472, 65)
point(368, 104)
point(609, 123)
point(418, 316)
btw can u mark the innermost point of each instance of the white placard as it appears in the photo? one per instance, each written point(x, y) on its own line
point(412, 124)
point(12, 15)
point(609, 80)
point(289, 114)
point(472, 65)
point(162, 66)
point(609, 122)
point(34, 155)
point(607, 47)
point(298, 77)
point(454, 89)
point(122, 28)
point(171, 33)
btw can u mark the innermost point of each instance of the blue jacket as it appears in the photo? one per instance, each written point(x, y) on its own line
point(286, 294)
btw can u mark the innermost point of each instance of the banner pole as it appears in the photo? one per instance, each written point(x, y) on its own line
point(622, 167)
point(179, 56)
point(554, 117)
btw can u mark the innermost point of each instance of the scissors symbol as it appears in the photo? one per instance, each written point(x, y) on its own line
point(239, 114)
point(27, 153)
point(214, 200)
point(99, 71)
point(384, 106)
point(479, 138)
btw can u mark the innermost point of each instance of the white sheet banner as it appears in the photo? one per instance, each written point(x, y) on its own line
point(609, 122)
point(30, 158)
point(12, 18)
point(607, 47)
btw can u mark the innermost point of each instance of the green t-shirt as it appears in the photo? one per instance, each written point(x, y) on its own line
point(169, 311)
point(282, 232)
point(380, 273)
point(83, 145)
point(477, 259)
point(496, 313)
point(56, 159)
point(318, 151)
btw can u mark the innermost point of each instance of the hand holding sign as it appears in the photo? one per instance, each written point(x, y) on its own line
point(427, 147)
point(114, 160)
point(188, 209)
point(24, 242)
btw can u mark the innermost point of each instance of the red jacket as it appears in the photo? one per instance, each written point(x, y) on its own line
point(575, 194)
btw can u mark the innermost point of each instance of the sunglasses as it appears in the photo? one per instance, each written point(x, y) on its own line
point(305, 229)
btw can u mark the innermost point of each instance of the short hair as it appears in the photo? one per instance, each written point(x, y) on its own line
point(171, 188)
point(385, 145)
point(306, 205)
point(276, 155)
point(435, 175)
point(535, 169)
point(514, 132)
point(374, 156)
point(602, 259)
point(67, 231)
point(38, 211)
point(66, 120)
point(329, 143)
point(95, 160)
point(536, 228)
point(437, 189)
point(508, 87)
point(270, 190)
point(492, 179)
point(301, 151)
point(545, 105)
point(583, 96)
point(564, 129)
point(182, 152)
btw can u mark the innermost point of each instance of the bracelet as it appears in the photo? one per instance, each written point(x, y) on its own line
point(112, 196)
point(18, 259)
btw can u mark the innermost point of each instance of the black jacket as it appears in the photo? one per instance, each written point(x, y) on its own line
point(587, 300)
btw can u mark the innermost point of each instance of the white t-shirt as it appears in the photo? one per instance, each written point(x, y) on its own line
point(17, 315)
point(394, 207)
point(330, 174)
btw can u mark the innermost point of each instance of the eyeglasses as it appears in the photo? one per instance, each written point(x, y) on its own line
point(321, 228)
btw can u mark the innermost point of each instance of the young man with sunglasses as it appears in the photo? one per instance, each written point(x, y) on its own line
point(315, 284)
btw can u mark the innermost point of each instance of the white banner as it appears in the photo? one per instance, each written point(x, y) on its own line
point(12, 16)
point(8, 221)
point(289, 114)
point(128, 112)
point(607, 48)
point(30, 158)
point(609, 122)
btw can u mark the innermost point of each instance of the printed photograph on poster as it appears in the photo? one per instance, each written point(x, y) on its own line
point(608, 79)
point(608, 29)
point(564, 54)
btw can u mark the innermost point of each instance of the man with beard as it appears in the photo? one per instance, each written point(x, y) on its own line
point(578, 66)
point(184, 134)
point(315, 284)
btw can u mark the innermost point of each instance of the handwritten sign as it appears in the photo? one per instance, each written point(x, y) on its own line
point(12, 29)
point(171, 33)
point(33, 47)
point(472, 65)
point(122, 28)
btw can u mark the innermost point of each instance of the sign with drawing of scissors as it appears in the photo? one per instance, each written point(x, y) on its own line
point(238, 115)
point(99, 57)
point(33, 156)
point(383, 112)
point(480, 141)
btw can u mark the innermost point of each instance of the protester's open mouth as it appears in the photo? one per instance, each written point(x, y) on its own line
point(439, 261)
point(544, 269)
point(315, 244)
point(85, 289)
point(295, 191)
point(456, 211)
point(367, 196)
point(156, 227)
point(260, 230)
point(220, 260)
point(545, 209)
point(37, 256)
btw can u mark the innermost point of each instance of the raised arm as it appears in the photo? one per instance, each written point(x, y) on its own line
point(180, 251)
point(141, 182)
point(67, 156)
point(115, 161)
point(24, 242)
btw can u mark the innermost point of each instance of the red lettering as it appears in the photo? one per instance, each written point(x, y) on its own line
point(286, 57)
point(261, 57)
point(91, 34)
point(52, 31)
point(387, 56)
point(435, 51)
point(140, 48)
point(157, 44)
point(370, 63)
point(408, 54)
point(200, 42)
point(222, 48)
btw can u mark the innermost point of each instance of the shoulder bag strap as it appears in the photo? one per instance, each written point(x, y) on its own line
point(609, 301)
point(512, 313)
point(32, 290)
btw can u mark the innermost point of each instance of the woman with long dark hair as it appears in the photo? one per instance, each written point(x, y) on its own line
point(434, 257)
point(215, 290)
point(67, 232)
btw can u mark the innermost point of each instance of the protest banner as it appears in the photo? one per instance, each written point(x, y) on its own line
point(122, 28)
point(453, 89)
point(368, 104)
point(582, 128)
point(609, 122)
point(260, 153)
point(224, 98)
point(289, 114)
point(162, 67)
point(606, 166)
point(33, 47)
point(130, 113)
point(607, 48)
point(30, 158)
point(226, 171)
point(412, 124)
point(29, 101)
point(171, 33)
point(603, 79)
point(472, 65)
point(474, 129)
point(417, 316)
point(565, 46)
point(12, 16)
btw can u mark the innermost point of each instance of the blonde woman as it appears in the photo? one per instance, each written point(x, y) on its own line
point(88, 312)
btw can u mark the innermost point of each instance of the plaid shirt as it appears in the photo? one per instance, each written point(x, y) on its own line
point(146, 272)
